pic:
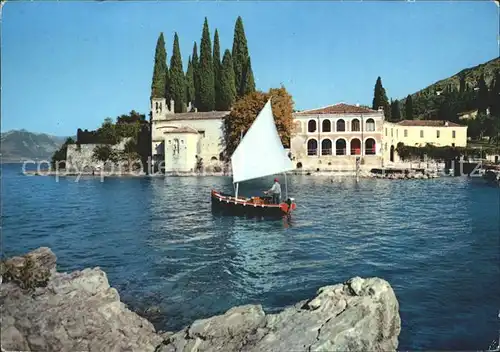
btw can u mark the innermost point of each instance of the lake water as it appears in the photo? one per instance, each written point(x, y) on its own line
point(435, 241)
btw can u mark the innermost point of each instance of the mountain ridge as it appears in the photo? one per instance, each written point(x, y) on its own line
point(20, 145)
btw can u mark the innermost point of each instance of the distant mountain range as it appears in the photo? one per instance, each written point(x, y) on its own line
point(20, 145)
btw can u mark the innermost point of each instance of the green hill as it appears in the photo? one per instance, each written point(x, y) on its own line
point(426, 101)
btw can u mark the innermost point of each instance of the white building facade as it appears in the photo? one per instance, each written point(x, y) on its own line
point(183, 142)
point(333, 137)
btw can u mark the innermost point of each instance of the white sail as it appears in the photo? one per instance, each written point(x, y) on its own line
point(260, 152)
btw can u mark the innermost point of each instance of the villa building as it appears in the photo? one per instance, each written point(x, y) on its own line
point(181, 141)
point(418, 133)
point(333, 137)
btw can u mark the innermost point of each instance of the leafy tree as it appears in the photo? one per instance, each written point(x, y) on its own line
point(495, 96)
point(240, 57)
point(104, 153)
point(395, 110)
point(217, 69)
point(206, 72)
point(248, 78)
point(177, 82)
point(483, 96)
point(227, 87)
point(409, 108)
point(380, 98)
point(129, 152)
point(107, 132)
point(59, 156)
point(190, 97)
point(246, 109)
point(195, 62)
point(159, 82)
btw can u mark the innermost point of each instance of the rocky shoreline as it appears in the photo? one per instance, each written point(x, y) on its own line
point(44, 310)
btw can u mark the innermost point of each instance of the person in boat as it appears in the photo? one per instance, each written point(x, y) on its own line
point(275, 191)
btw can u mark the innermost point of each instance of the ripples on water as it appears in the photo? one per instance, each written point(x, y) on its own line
point(435, 241)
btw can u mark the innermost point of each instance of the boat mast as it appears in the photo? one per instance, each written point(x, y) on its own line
point(237, 184)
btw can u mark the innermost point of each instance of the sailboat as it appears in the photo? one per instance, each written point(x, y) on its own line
point(260, 153)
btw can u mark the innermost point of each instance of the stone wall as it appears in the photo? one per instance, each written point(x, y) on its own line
point(79, 156)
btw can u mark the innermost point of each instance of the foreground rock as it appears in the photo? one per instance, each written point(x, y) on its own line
point(73, 312)
point(360, 315)
point(80, 312)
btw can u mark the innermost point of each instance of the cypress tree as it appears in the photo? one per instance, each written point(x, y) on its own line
point(395, 110)
point(380, 98)
point(176, 78)
point(228, 89)
point(409, 108)
point(249, 86)
point(239, 56)
point(196, 77)
point(495, 96)
point(159, 82)
point(217, 69)
point(206, 72)
point(189, 83)
point(483, 96)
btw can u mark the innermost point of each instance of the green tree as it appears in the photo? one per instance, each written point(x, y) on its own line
point(495, 96)
point(190, 83)
point(380, 98)
point(159, 82)
point(483, 96)
point(239, 56)
point(409, 108)
point(107, 132)
point(129, 153)
point(249, 86)
point(177, 81)
point(59, 157)
point(206, 72)
point(395, 110)
point(245, 110)
point(195, 62)
point(104, 153)
point(227, 88)
point(217, 70)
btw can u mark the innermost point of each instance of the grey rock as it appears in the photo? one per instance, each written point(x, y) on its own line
point(359, 315)
point(79, 311)
point(74, 312)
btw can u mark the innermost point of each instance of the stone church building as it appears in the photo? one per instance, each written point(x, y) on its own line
point(185, 142)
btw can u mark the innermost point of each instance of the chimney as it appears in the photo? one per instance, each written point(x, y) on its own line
point(381, 108)
point(446, 123)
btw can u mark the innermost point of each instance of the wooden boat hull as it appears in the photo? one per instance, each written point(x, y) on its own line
point(228, 204)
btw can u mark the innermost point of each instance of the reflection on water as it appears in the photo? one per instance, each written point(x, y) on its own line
point(435, 241)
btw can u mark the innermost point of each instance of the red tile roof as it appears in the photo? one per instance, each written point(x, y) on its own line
point(339, 108)
point(428, 123)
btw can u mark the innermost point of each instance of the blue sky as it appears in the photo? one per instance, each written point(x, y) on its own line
point(71, 64)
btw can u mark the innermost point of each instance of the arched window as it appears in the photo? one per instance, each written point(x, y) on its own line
point(311, 126)
point(312, 147)
point(341, 126)
point(326, 126)
point(370, 125)
point(370, 146)
point(326, 147)
point(214, 158)
point(355, 125)
point(340, 147)
point(355, 147)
